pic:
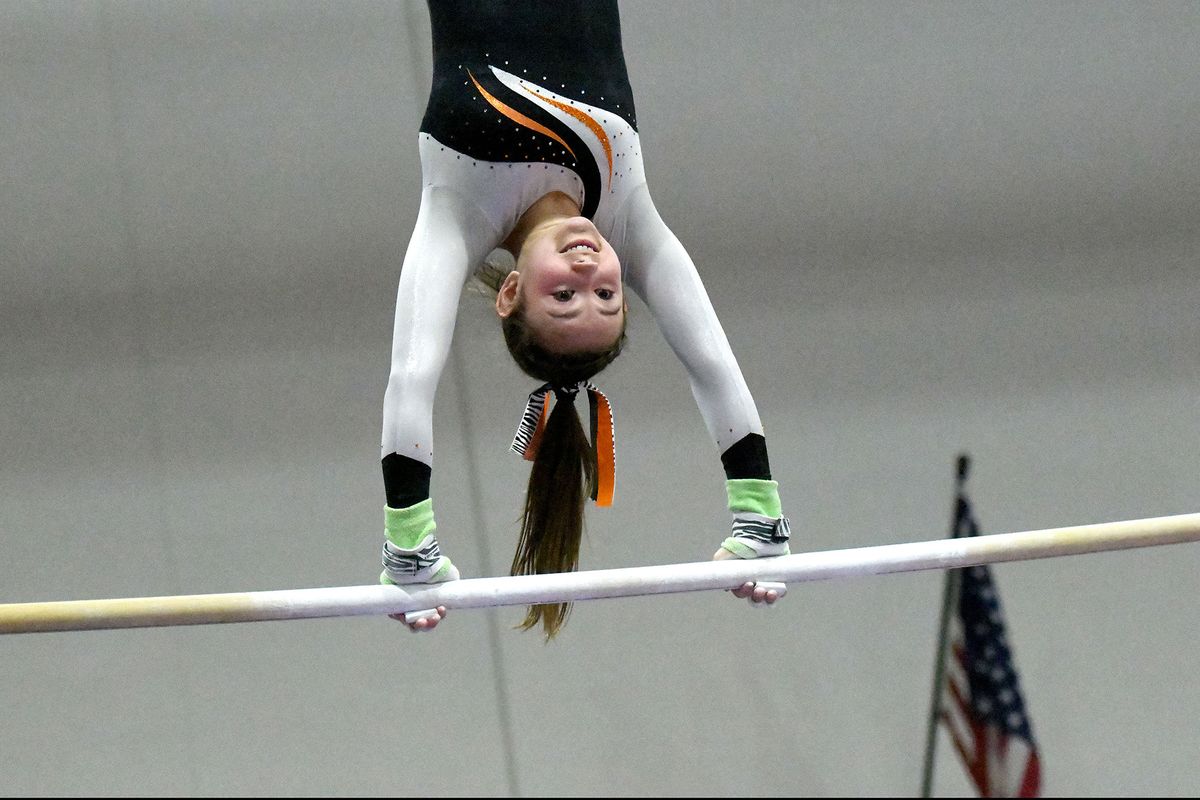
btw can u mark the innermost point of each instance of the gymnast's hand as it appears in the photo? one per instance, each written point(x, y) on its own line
point(418, 621)
point(749, 590)
point(759, 531)
point(411, 556)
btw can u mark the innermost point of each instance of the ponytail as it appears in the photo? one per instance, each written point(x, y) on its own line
point(552, 524)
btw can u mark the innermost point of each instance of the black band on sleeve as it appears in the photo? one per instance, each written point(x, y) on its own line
point(405, 480)
point(747, 459)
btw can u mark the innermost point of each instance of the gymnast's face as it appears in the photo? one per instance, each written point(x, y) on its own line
point(568, 285)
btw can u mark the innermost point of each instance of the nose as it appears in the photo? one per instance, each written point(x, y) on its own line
point(584, 266)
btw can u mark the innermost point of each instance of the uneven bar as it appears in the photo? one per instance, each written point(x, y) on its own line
point(201, 609)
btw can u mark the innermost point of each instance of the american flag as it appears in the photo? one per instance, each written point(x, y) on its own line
point(981, 704)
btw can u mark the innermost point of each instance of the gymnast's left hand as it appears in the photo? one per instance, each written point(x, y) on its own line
point(748, 590)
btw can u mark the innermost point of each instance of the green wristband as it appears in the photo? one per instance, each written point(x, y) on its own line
point(407, 527)
point(754, 496)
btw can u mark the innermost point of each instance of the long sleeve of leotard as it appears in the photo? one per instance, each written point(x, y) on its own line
point(450, 237)
point(660, 271)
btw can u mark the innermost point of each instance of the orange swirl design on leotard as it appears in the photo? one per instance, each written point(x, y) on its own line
point(519, 118)
point(587, 120)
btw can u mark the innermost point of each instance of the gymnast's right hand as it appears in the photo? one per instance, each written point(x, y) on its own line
point(411, 555)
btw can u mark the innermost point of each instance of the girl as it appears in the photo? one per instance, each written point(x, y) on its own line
point(529, 145)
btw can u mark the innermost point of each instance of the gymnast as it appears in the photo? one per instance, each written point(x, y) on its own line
point(529, 147)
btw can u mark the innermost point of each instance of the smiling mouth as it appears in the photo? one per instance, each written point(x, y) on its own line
point(580, 246)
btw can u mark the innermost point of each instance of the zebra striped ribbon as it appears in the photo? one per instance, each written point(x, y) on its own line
point(603, 441)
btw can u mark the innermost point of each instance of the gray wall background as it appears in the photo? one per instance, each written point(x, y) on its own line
point(928, 227)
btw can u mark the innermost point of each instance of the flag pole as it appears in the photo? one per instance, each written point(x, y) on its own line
point(949, 591)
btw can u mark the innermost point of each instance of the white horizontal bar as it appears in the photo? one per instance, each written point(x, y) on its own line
point(140, 612)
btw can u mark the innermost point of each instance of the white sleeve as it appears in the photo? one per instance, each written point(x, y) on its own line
point(662, 273)
point(450, 238)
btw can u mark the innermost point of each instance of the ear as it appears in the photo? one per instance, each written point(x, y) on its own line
point(507, 298)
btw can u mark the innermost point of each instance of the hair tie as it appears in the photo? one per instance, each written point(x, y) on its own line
point(603, 440)
point(565, 392)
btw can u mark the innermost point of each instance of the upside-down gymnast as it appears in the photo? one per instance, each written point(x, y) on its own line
point(529, 145)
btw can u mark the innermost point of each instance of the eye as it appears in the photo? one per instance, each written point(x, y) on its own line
point(563, 295)
point(605, 294)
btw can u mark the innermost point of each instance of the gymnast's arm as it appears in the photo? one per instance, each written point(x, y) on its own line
point(450, 236)
point(662, 273)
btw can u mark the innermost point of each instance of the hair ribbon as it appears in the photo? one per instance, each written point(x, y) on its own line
point(603, 440)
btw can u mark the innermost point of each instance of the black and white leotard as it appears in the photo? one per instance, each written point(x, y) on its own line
point(530, 98)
